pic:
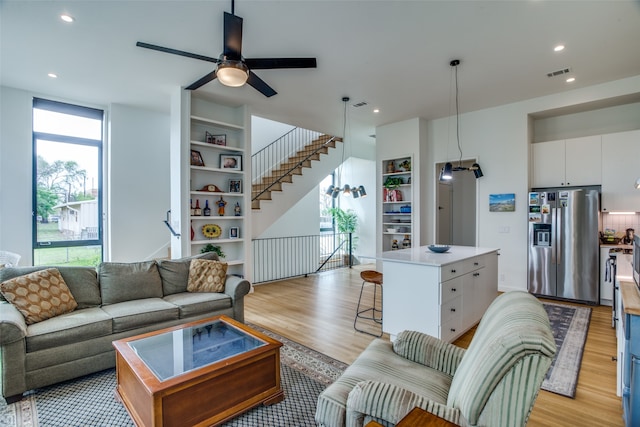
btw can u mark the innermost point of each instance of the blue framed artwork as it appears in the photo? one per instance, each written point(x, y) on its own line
point(502, 202)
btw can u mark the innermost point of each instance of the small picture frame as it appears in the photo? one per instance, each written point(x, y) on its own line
point(233, 233)
point(228, 161)
point(235, 186)
point(196, 158)
point(215, 139)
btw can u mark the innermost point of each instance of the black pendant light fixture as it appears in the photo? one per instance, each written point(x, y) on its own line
point(355, 191)
point(446, 173)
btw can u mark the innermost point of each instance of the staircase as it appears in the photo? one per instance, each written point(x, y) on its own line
point(294, 165)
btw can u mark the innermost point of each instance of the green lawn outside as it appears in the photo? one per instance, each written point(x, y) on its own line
point(75, 255)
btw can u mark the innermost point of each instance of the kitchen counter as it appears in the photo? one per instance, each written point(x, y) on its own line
point(618, 246)
point(423, 256)
point(628, 288)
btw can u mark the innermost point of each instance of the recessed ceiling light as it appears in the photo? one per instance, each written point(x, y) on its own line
point(67, 18)
point(571, 80)
point(376, 110)
point(52, 75)
point(558, 48)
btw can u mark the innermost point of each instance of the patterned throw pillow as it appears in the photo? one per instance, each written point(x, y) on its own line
point(206, 276)
point(40, 295)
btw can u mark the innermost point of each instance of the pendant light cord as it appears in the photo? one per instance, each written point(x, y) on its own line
point(458, 116)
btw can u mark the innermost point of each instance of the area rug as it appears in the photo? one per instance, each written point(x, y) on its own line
point(570, 325)
point(89, 401)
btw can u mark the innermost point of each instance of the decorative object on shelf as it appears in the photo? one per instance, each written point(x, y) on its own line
point(393, 182)
point(207, 209)
point(233, 233)
point(235, 186)
point(221, 204)
point(405, 165)
point(193, 233)
point(446, 173)
point(196, 158)
point(355, 191)
point(228, 161)
point(209, 247)
point(236, 209)
point(392, 230)
point(197, 211)
point(211, 231)
point(502, 202)
point(394, 245)
point(406, 242)
point(211, 188)
point(391, 168)
point(405, 209)
point(192, 210)
point(439, 248)
point(215, 139)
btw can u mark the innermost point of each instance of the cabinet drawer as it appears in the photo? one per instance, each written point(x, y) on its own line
point(451, 330)
point(450, 309)
point(450, 289)
point(461, 267)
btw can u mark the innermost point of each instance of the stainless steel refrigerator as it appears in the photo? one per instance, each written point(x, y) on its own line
point(564, 244)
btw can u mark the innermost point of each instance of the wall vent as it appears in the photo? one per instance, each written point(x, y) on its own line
point(360, 104)
point(559, 72)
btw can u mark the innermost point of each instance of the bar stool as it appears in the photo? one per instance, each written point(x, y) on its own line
point(374, 277)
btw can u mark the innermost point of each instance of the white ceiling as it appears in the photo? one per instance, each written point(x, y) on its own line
point(392, 54)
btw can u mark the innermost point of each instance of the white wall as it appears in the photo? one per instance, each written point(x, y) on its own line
point(139, 195)
point(265, 131)
point(499, 138)
point(138, 152)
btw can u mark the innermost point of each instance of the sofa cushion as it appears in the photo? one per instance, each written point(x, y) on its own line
point(77, 326)
point(82, 282)
point(121, 282)
point(207, 276)
point(194, 303)
point(141, 312)
point(40, 295)
point(175, 272)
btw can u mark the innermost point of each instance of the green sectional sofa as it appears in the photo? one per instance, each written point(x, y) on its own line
point(115, 301)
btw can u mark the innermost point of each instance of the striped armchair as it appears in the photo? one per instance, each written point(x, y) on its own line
point(493, 383)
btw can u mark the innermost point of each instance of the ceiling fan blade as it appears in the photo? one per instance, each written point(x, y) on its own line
point(203, 81)
point(271, 63)
point(232, 36)
point(259, 84)
point(176, 52)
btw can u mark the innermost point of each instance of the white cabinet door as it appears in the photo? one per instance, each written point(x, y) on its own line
point(583, 164)
point(549, 164)
point(620, 154)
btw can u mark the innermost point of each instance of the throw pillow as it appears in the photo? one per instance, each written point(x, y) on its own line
point(207, 276)
point(40, 295)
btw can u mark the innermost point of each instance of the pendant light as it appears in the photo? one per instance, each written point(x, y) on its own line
point(446, 173)
point(355, 191)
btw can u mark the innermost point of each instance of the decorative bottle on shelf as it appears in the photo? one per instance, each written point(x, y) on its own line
point(406, 243)
point(207, 209)
point(191, 207)
point(394, 245)
point(197, 211)
point(236, 210)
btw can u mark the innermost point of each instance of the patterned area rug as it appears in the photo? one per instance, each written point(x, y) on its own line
point(90, 401)
point(570, 325)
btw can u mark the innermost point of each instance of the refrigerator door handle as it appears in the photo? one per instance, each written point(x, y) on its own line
point(553, 236)
point(558, 216)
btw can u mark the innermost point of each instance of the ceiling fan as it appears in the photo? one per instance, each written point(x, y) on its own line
point(232, 69)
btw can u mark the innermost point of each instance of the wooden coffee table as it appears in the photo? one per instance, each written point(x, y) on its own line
point(198, 374)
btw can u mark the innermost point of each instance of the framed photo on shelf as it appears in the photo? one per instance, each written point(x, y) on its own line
point(196, 158)
point(235, 186)
point(228, 161)
point(233, 233)
point(215, 139)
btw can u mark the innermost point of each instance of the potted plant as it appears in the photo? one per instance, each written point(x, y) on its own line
point(347, 222)
point(212, 248)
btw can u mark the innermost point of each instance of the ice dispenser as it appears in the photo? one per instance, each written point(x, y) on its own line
point(541, 234)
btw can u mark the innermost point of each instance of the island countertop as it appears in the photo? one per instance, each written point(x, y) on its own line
point(423, 256)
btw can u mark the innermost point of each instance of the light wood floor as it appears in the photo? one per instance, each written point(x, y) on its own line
point(318, 311)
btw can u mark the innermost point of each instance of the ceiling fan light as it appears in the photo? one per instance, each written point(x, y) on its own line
point(232, 73)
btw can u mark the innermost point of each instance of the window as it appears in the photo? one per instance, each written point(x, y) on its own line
point(67, 184)
point(326, 202)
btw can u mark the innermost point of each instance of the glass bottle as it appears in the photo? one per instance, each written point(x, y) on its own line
point(197, 211)
point(207, 209)
point(191, 207)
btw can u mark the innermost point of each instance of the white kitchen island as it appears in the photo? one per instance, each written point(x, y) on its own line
point(442, 295)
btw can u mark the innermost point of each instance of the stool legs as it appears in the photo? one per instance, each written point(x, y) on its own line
point(376, 314)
